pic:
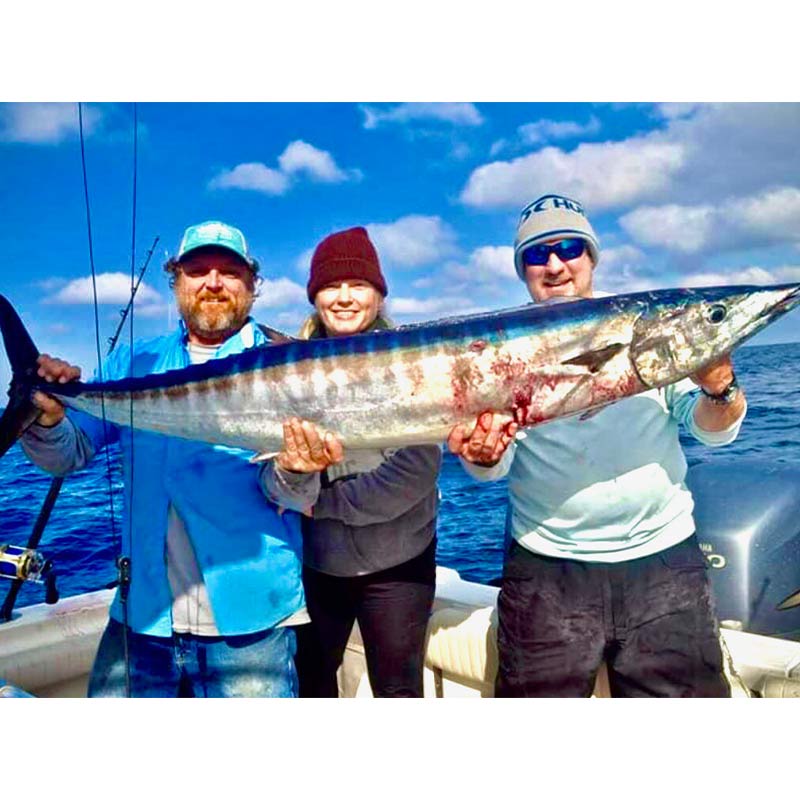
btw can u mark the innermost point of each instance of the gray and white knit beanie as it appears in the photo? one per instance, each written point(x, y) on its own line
point(552, 216)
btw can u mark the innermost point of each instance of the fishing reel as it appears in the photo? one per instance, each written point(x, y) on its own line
point(25, 564)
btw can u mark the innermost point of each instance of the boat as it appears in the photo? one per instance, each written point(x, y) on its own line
point(748, 516)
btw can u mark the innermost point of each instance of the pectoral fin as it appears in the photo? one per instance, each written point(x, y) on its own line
point(257, 459)
point(792, 601)
point(593, 360)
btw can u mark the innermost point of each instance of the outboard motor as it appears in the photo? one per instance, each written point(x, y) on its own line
point(748, 524)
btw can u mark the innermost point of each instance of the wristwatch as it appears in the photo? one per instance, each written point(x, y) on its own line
point(727, 395)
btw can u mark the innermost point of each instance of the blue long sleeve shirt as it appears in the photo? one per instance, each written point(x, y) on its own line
point(248, 553)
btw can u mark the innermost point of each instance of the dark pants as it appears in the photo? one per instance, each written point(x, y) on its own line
point(392, 608)
point(652, 620)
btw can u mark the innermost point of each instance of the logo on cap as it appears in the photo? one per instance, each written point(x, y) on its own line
point(551, 202)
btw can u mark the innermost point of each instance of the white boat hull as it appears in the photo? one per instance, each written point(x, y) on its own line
point(48, 650)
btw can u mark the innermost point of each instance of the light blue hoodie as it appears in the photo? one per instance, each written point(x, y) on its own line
point(607, 488)
point(248, 553)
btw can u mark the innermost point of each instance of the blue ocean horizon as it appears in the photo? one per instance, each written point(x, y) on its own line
point(83, 546)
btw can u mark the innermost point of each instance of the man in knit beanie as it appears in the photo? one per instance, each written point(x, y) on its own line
point(556, 240)
point(603, 563)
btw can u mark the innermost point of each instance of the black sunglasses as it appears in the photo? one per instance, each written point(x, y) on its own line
point(538, 254)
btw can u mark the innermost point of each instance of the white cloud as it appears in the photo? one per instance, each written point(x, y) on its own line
point(280, 292)
point(44, 123)
point(775, 214)
point(253, 176)
point(423, 283)
point(733, 149)
point(702, 153)
point(544, 130)
point(113, 288)
point(747, 275)
point(498, 147)
point(683, 228)
point(626, 281)
point(51, 284)
point(787, 274)
point(491, 262)
point(624, 254)
point(460, 151)
point(599, 175)
point(298, 159)
point(488, 272)
point(413, 240)
point(430, 307)
point(676, 110)
point(290, 321)
point(548, 129)
point(453, 113)
point(771, 217)
point(153, 311)
point(303, 262)
point(299, 156)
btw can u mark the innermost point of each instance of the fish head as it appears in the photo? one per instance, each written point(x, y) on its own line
point(683, 330)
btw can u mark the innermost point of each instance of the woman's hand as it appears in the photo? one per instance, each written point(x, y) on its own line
point(306, 449)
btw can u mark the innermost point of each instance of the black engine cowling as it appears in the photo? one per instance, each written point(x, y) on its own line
point(748, 524)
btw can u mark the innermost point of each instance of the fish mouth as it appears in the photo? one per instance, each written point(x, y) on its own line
point(789, 300)
point(698, 326)
point(785, 304)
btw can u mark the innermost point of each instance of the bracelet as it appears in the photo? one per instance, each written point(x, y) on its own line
point(727, 395)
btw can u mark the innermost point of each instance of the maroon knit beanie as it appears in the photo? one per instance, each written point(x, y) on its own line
point(346, 254)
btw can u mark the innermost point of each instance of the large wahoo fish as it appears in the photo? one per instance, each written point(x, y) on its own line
point(410, 385)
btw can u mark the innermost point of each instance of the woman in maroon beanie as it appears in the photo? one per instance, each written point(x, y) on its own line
point(369, 534)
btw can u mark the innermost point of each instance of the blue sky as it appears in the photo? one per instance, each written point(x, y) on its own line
point(679, 194)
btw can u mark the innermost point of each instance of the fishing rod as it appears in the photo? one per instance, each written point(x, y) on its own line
point(26, 564)
point(112, 342)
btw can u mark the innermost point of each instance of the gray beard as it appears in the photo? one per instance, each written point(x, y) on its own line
point(212, 321)
point(215, 322)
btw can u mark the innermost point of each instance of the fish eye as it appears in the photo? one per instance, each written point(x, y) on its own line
point(717, 313)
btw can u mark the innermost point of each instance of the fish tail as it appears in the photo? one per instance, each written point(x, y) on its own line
point(22, 354)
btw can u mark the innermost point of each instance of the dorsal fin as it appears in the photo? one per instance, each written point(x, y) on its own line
point(275, 335)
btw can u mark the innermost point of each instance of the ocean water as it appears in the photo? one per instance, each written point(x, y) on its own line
point(80, 540)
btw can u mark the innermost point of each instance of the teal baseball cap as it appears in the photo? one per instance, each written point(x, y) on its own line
point(213, 233)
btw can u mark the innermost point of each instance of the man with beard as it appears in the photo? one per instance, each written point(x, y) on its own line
point(213, 586)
